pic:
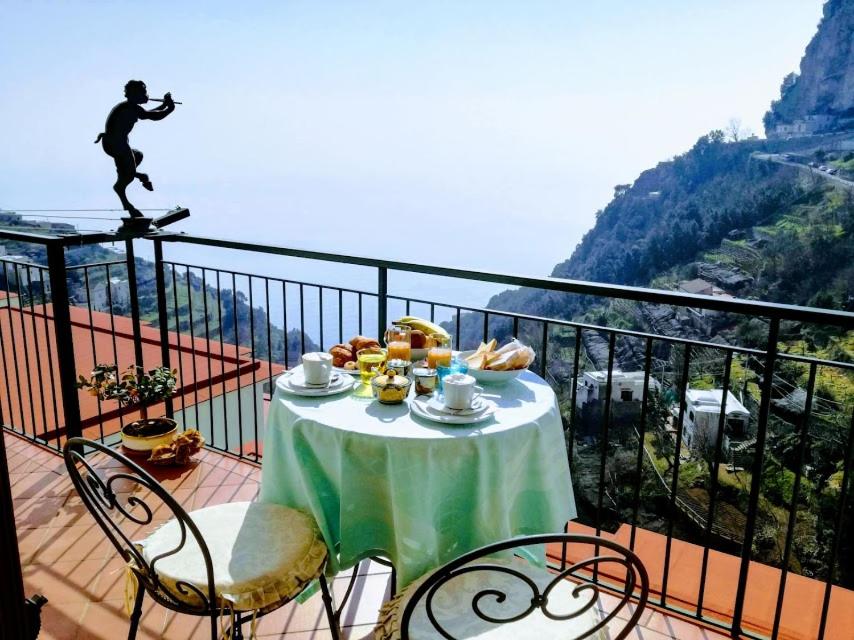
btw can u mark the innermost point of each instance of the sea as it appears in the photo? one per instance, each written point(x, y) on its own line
point(506, 250)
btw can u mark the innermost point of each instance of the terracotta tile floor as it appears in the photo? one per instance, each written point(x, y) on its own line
point(66, 557)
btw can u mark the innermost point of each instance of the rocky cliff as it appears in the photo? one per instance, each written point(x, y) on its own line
point(825, 84)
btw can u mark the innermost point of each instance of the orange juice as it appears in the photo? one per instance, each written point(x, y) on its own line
point(438, 356)
point(399, 350)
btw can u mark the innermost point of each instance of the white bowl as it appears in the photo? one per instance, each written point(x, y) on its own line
point(485, 376)
point(418, 354)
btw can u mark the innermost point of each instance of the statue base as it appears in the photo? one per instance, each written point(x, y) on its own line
point(135, 224)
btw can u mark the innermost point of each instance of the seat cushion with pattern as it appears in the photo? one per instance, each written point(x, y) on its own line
point(452, 607)
point(262, 554)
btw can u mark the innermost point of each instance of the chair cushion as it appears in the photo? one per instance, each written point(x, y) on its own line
point(452, 607)
point(262, 554)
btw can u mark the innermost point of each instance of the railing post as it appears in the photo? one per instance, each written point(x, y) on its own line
point(134, 303)
point(756, 481)
point(64, 339)
point(382, 301)
point(12, 615)
point(162, 318)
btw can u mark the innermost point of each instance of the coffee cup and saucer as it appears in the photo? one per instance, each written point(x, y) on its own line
point(315, 377)
point(461, 402)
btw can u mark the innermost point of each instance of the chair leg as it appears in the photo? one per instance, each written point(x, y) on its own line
point(334, 627)
point(136, 614)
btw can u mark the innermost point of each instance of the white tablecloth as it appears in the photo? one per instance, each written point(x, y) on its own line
point(380, 481)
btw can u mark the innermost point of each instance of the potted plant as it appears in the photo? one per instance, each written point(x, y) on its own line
point(136, 387)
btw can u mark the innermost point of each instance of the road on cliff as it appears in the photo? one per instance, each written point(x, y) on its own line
point(814, 171)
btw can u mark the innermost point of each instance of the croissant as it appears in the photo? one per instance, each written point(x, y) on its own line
point(361, 342)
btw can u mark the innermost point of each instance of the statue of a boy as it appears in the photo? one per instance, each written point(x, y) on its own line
point(114, 139)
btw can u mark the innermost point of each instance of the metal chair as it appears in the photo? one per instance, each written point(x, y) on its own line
point(124, 499)
point(489, 593)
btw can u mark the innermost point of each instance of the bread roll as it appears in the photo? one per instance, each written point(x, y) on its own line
point(341, 354)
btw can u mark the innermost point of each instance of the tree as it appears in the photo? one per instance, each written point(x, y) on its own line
point(621, 189)
point(733, 128)
point(788, 82)
point(716, 136)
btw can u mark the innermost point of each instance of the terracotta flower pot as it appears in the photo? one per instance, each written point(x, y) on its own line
point(144, 435)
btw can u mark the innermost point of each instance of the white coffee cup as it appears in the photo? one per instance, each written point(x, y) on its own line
point(460, 390)
point(317, 367)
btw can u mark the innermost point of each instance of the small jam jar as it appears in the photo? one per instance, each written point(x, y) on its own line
point(425, 380)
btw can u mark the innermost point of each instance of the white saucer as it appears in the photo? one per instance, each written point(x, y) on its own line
point(342, 384)
point(297, 380)
point(477, 406)
point(349, 372)
point(420, 406)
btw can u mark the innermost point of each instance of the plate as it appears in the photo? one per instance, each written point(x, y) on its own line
point(420, 406)
point(297, 380)
point(484, 376)
point(349, 372)
point(345, 383)
point(477, 406)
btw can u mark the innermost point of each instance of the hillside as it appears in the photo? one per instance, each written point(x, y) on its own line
point(188, 293)
point(825, 84)
point(714, 193)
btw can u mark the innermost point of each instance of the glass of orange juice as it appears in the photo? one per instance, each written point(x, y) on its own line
point(439, 353)
point(398, 339)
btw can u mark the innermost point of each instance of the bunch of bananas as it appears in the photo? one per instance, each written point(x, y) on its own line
point(420, 324)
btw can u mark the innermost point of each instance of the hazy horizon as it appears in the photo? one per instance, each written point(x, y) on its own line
point(439, 133)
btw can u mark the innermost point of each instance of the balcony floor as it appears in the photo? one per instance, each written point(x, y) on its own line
point(66, 557)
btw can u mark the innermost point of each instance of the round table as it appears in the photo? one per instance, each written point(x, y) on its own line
point(381, 481)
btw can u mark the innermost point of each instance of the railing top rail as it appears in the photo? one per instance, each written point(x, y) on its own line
point(640, 294)
point(70, 239)
point(25, 236)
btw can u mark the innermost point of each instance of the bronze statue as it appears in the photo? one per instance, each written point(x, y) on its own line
point(114, 139)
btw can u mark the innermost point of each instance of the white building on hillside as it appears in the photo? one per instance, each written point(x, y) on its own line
point(118, 295)
point(702, 417)
point(626, 386)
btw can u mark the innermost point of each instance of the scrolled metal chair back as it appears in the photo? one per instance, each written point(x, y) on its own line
point(629, 582)
point(109, 494)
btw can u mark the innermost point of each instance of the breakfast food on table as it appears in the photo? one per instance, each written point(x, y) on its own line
point(342, 354)
point(361, 342)
point(371, 361)
point(418, 339)
point(424, 326)
point(425, 380)
point(439, 354)
point(511, 357)
point(398, 339)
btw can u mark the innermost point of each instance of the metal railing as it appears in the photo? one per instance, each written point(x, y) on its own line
point(641, 462)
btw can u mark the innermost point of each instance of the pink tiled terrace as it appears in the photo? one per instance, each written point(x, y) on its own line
point(66, 557)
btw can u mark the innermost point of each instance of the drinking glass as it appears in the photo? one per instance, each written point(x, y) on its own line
point(370, 362)
point(456, 366)
point(398, 339)
point(439, 354)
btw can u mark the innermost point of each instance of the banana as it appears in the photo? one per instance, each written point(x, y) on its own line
point(423, 325)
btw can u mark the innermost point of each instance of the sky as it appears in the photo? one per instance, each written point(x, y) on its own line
point(479, 134)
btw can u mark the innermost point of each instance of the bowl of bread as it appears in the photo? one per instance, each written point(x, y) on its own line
point(491, 365)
